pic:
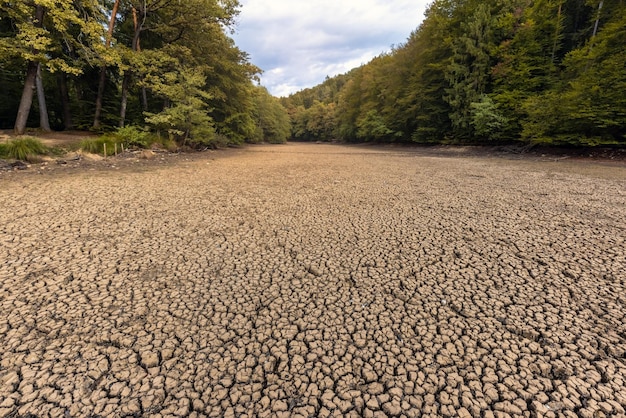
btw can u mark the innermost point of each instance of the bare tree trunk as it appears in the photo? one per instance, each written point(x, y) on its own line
point(103, 76)
point(29, 84)
point(144, 99)
point(124, 104)
point(128, 74)
point(27, 99)
point(68, 124)
point(595, 27)
point(44, 122)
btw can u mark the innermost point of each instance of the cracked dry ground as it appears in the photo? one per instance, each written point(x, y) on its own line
point(315, 280)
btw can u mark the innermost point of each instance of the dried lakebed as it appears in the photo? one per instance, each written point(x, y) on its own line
point(315, 280)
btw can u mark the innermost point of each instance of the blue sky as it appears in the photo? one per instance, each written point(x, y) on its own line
point(298, 43)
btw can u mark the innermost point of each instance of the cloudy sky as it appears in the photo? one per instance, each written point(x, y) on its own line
point(298, 43)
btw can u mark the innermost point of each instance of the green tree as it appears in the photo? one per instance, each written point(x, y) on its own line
point(468, 71)
point(186, 117)
point(589, 107)
point(270, 117)
point(487, 120)
point(42, 28)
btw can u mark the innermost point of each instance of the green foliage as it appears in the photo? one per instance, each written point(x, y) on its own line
point(141, 62)
point(133, 136)
point(476, 71)
point(186, 119)
point(24, 149)
point(372, 127)
point(127, 137)
point(98, 145)
point(487, 120)
point(271, 119)
point(47, 41)
point(495, 70)
point(589, 106)
point(467, 73)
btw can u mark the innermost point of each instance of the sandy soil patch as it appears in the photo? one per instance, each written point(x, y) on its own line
point(315, 280)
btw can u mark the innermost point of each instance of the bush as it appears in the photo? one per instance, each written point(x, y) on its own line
point(486, 119)
point(25, 149)
point(132, 136)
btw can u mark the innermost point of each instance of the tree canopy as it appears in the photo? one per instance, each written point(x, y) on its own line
point(164, 65)
point(496, 71)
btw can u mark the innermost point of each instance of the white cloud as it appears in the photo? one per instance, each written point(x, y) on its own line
point(298, 43)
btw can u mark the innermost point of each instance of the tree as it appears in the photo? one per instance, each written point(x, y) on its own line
point(589, 108)
point(468, 72)
point(102, 79)
point(186, 118)
point(31, 71)
point(41, 29)
point(270, 117)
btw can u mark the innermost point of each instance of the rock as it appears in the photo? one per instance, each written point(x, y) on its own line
point(18, 165)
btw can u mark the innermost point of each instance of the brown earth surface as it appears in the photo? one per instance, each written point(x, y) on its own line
point(314, 280)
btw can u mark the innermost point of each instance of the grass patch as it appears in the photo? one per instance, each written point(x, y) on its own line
point(24, 149)
point(128, 137)
point(105, 144)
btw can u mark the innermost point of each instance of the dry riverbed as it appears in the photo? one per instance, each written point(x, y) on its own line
point(315, 280)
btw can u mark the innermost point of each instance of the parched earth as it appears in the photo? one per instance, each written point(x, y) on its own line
point(312, 280)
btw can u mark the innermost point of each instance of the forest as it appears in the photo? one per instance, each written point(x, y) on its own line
point(167, 67)
point(474, 72)
point(484, 72)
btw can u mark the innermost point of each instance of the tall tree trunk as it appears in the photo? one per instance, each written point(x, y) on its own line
point(44, 122)
point(27, 99)
point(595, 27)
point(29, 84)
point(124, 103)
point(144, 99)
point(68, 124)
point(103, 76)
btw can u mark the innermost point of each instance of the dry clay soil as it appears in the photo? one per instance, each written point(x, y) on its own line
point(315, 280)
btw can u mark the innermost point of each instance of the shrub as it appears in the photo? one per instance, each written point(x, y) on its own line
point(25, 149)
point(134, 137)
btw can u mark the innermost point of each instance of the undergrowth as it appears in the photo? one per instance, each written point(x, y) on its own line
point(126, 138)
point(24, 149)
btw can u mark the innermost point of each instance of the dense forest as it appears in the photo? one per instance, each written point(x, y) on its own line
point(167, 66)
point(484, 71)
point(495, 71)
